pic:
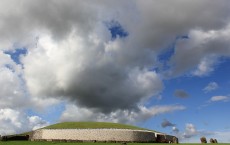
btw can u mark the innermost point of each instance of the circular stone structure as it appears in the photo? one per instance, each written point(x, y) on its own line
point(93, 135)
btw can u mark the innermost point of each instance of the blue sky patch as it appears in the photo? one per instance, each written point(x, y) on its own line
point(116, 30)
point(15, 54)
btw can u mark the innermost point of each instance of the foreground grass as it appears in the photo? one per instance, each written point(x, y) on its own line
point(61, 143)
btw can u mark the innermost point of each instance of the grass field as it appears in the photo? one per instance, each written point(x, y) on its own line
point(61, 143)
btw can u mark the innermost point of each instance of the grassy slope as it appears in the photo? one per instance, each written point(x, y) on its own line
point(92, 125)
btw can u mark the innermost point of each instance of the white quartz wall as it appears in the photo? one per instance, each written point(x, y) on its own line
point(95, 135)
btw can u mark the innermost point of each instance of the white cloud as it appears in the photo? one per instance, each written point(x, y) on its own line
point(219, 98)
point(13, 91)
point(190, 131)
point(205, 66)
point(146, 113)
point(211, 87)
point(14, 121)
point(36, 122)
point(190, 134)
point(74, 113)
point(14, 100)
point(201, 51)
point(41, 104)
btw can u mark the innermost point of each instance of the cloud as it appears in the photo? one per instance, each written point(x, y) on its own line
point(202, 50)
point(15, 100)
point(219, 98)
point(74, 113)
point(192, 134)
point(222, 136)
point(205, 67)
point(215, 99)
point(181, 94)
point(11, 93)
point(14, 121)
point(90, 76)
point(72, 55)
point(36, 122)
point(210, 87)
point(153, 111)
point(166, 123)
point(175, 130)
point(190, 131)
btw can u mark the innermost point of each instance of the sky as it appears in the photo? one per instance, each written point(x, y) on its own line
point(157, 64)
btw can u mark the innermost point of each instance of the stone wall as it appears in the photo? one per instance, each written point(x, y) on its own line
point(94, 135)
point(36, 135)
point(164, 138)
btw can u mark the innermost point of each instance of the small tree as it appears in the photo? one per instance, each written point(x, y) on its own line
point(215, 141)
point(203, 139)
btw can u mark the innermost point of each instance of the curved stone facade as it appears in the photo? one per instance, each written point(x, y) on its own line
point(94, 135)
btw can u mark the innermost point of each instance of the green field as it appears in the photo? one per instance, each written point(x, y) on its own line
point(61, 143)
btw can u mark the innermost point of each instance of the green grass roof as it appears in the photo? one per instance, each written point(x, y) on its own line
point(91, 125)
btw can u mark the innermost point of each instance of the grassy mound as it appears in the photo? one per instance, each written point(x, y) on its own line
point(91, 125)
